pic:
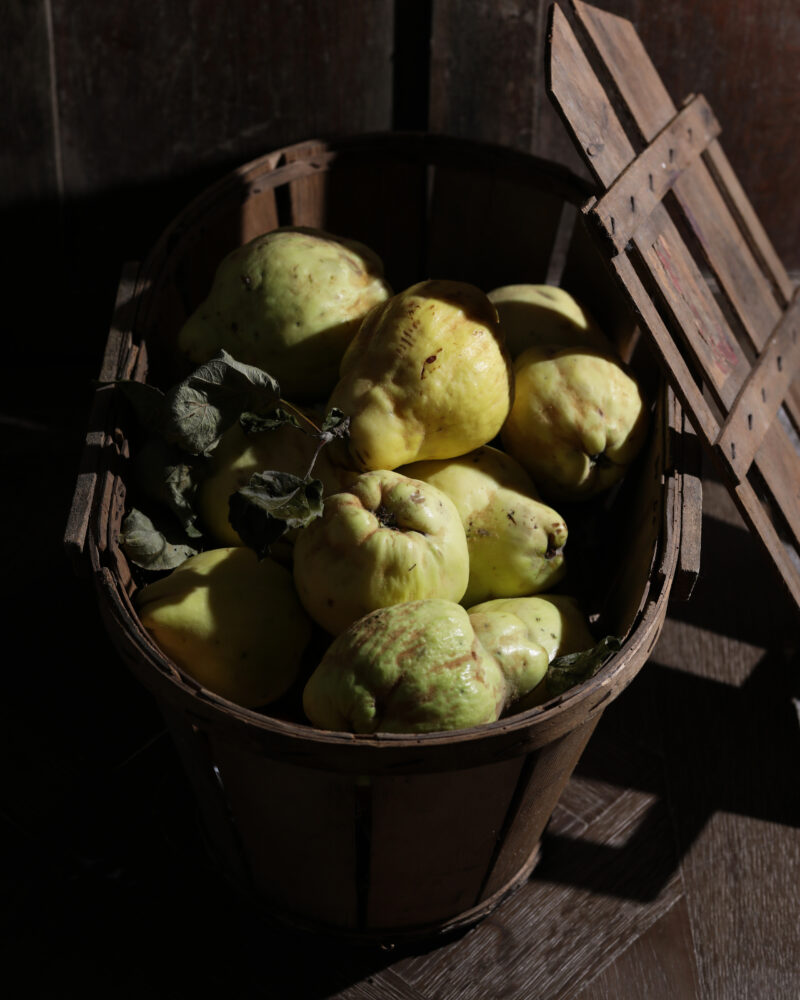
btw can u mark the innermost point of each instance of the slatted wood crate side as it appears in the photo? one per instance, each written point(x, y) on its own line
point(672, 217)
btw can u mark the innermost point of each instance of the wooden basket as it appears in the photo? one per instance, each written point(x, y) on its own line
point(385, 837)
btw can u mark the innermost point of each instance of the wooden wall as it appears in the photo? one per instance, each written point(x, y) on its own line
point(115, 114)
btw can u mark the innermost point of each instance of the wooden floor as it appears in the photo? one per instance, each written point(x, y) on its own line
point(670, 869)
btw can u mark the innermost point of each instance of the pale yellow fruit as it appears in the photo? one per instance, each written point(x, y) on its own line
point(426, 377)
point(289, 302)
point(525, 634)
point(533, 315)
point(388, 540)
point(578, 420)
point(515, 541)
point(239, 455)
point(231, 621)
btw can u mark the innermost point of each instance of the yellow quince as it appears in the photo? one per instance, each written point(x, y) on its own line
point(388, 540)
point(516, 542)
point(231, 621)
point(525, 634)
point(578, 420)
point(289, 301)
point(426, 377)
point(545, 314)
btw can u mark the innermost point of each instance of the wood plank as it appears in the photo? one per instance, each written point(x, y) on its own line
point(415, 878)
point(583, 103)
point(643, 184)
point(689, 300)
point(761, 395)
point(667, 351)
point(749, 223)
point(660, 962)
point(475, 92)
point(294, 820)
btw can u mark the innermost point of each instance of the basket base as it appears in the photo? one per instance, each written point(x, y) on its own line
point(387, 938)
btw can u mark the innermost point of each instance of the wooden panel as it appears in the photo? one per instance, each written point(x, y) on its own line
point(668, 251)
point(224, 82)
point(29, 143)
point(297, 827)
point(505, 236)
point(759, 399)
point(703, 204)
point(432, 841)
point(545, 774)
point(645, 182)
point(487, 77)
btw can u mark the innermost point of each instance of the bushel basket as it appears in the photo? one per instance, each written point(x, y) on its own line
point(391, 836)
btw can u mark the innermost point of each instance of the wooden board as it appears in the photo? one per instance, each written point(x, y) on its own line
point(694, 260)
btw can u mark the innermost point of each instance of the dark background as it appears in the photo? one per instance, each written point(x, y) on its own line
point(114, 115)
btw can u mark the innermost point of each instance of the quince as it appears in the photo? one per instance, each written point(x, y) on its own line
point(289, 302)
point(545, 314)
point(525, 634)
point(426, 377)
point(515, 541)
point(239, 455)
point(388, 540)
point(578, 420)
point(413, 667)
point(231, 621)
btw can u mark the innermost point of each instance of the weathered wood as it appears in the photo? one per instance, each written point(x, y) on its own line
point(642, 186)
point(114, 360)
point(760, 397)
point(660, 254)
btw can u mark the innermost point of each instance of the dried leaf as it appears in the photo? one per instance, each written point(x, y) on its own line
point(150, 548)
point(271, 504)
point(210, 400)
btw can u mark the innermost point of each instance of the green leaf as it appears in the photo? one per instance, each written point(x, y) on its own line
point(271, 504)
point(150, 548)
point(566, 671)
point(202, 407)
point(163, 474)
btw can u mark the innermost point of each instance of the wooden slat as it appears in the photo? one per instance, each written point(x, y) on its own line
point(651, 108)
point(714, 203)
point(583, 103)
point(644, 183)
point(117, 350)
point(691, 303)
point(748, 221)
point(685, 386)
point(760, 397)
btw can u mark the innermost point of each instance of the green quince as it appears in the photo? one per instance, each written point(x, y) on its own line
point(578, 420)
point(231, 621)
point(426, 377)
point(388, 539)
point(516, 542)
point(545, 314)
point(289, 302)
point(525, 634)
point(410, 668)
